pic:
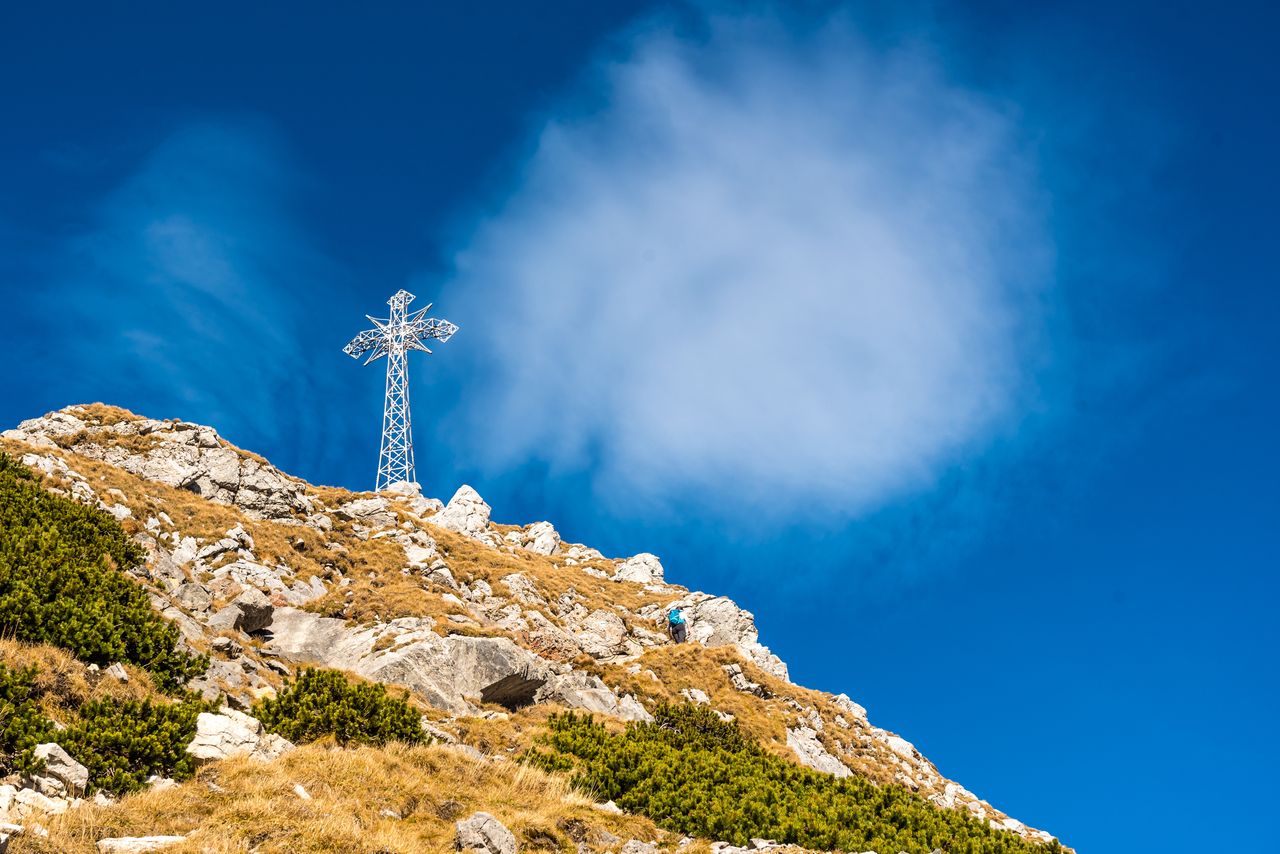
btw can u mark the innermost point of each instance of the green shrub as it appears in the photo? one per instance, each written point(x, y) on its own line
point(22, 726)
point(122, 744)
point(61, 584)
point(695, 774)
point(321, 703)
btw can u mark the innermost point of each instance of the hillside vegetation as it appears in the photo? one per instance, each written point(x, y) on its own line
point(60, 583)
point(694, 773)
point(325, 703)
point(158, 546)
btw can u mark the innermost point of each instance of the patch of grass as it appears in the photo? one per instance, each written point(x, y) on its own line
point(428, 787)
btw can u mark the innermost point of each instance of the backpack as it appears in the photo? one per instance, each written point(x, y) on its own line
point(676, 618)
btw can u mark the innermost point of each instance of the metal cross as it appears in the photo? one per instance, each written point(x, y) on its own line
point(393, 338)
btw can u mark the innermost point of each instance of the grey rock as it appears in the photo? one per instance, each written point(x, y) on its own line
point(232, 733)
point(696, 696)
point(61, 775)
point(370, 511)
point(249, 612)
point(602, 634)
point(644, 568)
point(540, 538)
point(579, 690)
point(194, 597)
point(466, 514)
point(804, 742)
point(635, 846)
point(483, 832)
point(522, 589)
point(549, 639)
point(440, 574)
point(738, 679)
point(854, 709)
point(718, 621)
point(449, 672)
point(187, 456)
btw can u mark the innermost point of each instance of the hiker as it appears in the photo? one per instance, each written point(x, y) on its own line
point(676, 625)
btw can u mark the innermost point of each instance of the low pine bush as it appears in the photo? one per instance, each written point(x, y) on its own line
point(320, 703)
point(695, 774)
point(121, 743)
point(22, 726)
point(61, 584)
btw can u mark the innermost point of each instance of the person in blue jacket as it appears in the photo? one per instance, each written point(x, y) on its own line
point(676, 625)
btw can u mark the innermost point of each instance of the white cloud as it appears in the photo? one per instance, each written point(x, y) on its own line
point(758, 266)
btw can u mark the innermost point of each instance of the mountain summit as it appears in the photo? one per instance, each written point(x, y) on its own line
point(497, 631)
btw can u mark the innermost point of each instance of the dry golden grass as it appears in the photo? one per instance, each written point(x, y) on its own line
point(469, 560)
point(765, 720)
point(66, 683)
point(242, 805)
point(104, 415)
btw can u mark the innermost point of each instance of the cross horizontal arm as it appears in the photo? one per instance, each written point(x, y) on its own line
point(431, 327)
point(363, 342)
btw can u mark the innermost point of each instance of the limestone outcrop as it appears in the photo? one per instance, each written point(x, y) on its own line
point(232, 733)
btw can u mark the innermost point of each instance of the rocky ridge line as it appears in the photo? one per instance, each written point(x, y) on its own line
point(510, 643)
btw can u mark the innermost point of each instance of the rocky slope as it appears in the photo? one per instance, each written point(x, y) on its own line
point(490, 625)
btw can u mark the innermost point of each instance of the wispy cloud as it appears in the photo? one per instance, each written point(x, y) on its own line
point(189, 293)
point(762, 265)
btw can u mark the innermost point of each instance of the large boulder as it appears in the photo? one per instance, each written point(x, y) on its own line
point(483, 832)
point(249, 612)
point(450, 672)
point(466, 514)
point(62, 775)
point(231, 733)
point(644, 568)
point(602, 634)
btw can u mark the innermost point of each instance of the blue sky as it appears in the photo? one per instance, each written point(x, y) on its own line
point(941, 336)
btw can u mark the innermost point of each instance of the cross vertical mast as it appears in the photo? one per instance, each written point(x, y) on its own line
point(394, 338)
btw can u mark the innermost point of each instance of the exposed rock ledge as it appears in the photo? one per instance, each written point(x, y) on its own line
point(451, 672)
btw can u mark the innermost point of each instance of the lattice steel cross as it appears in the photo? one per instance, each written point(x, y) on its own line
point(393, 338)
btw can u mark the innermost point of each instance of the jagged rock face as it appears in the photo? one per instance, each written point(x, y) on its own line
point(810, 751)
point(644, 568)
point(187, 456)
point(466, 514)
point(718, 621)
